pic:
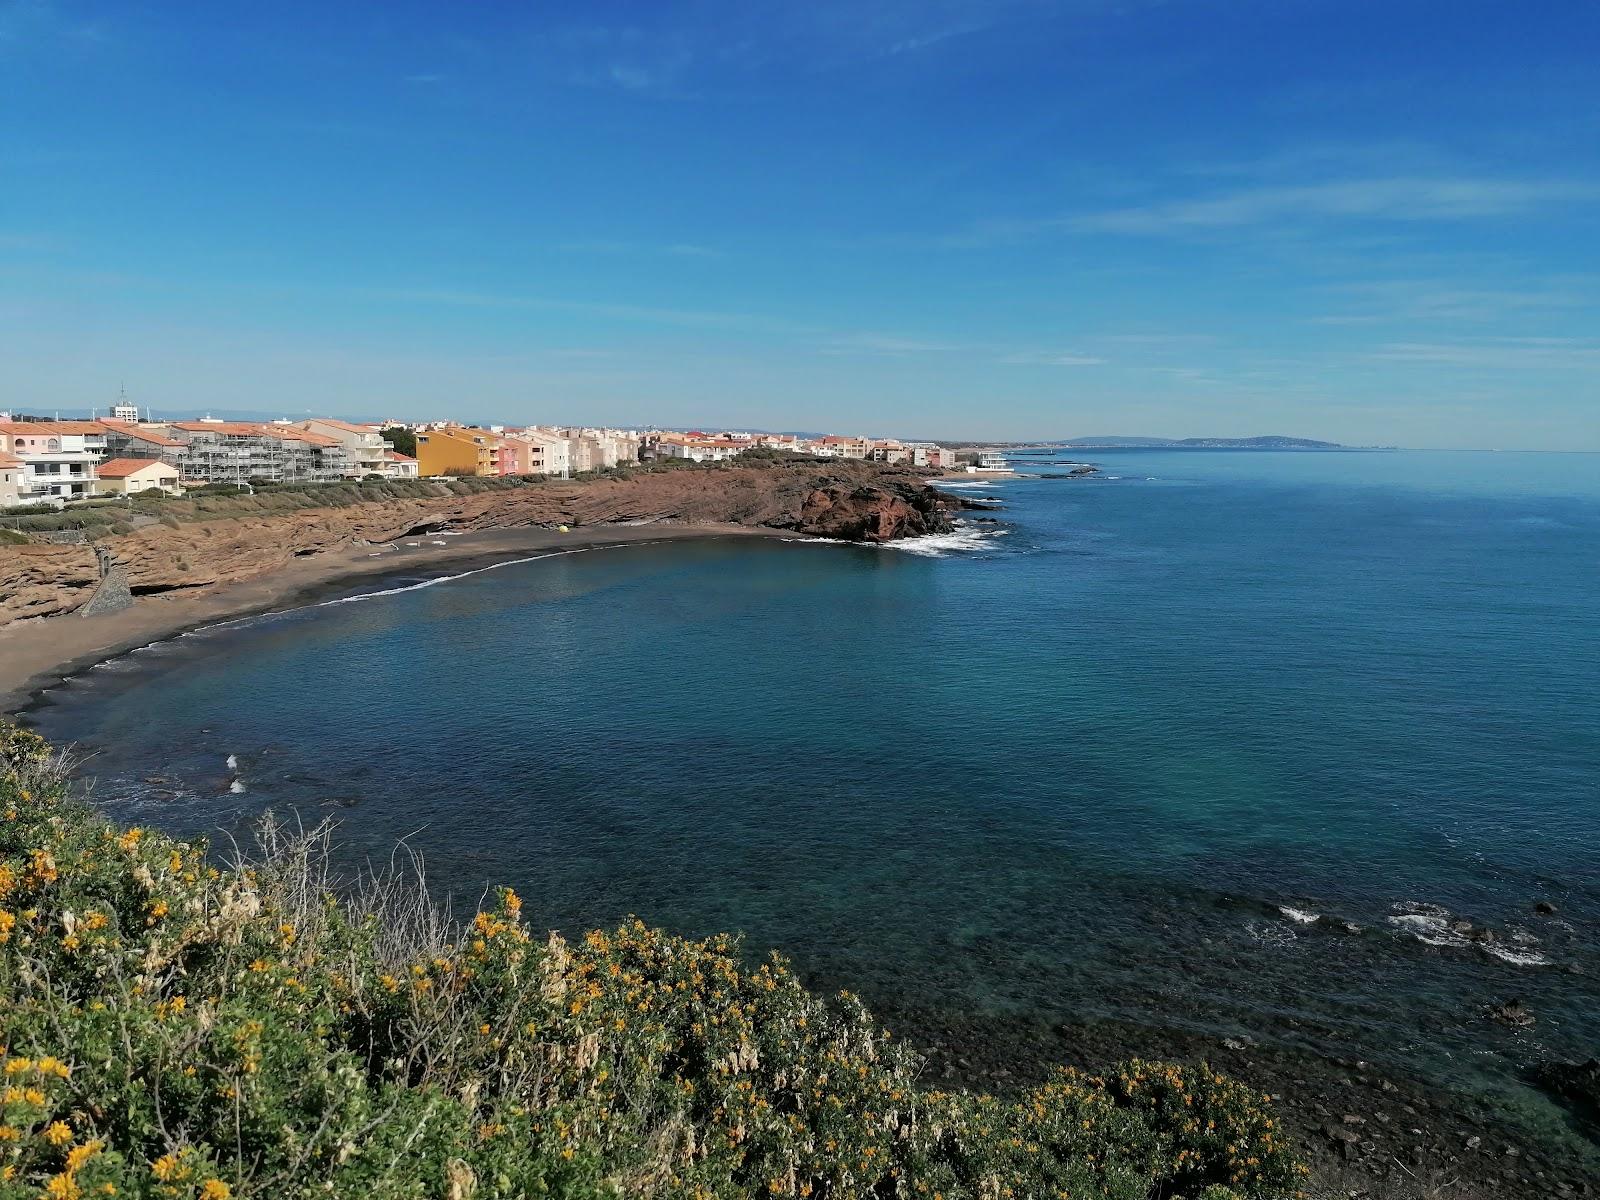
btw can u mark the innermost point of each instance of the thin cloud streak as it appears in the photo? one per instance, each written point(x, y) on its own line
point(627, 312)
point(1396, 199)
point(1501, 354)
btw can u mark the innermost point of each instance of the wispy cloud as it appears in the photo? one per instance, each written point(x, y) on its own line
point(888, 344)
point(678, 52)
point(1424, 300)
point(456, 298)
point(1390, 199)
point(1370, 201)
point(1508, 354)
point(615, 247)
point(1036, 358)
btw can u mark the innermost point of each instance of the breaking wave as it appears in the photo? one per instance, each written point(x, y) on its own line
point(963, 539)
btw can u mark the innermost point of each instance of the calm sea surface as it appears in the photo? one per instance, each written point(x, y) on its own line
point(1106, 759)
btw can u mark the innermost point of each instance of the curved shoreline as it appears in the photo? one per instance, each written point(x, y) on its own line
point(37, 655)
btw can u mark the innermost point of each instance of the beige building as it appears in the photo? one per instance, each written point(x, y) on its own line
point(367, 451)
point(10, 480)
point(129, 476)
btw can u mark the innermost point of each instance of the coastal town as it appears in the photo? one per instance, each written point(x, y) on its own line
point(56, 462)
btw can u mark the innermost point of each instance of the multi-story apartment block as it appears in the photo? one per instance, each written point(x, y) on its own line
point(457, 450)
point(842, 447)
point(700, 447)
point(363, 445)
point(238, 452)
point(57, 457)
point(557, 450)
point(126, 440)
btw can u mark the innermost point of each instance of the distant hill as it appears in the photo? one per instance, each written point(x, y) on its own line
point(1269, 442)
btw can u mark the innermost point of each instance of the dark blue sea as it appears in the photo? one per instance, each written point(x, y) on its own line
point(1230, 743)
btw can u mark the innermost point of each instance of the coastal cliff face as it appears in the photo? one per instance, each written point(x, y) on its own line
point(846, 500)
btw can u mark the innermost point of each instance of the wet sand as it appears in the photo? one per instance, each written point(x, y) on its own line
point(36, 654)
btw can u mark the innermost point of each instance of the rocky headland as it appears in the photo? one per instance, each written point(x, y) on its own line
point(205, 543)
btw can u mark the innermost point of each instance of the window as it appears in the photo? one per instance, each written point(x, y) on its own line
point(53, 445)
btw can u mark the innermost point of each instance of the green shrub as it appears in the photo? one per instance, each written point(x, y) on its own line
point(174, 1027)
point(10, 537)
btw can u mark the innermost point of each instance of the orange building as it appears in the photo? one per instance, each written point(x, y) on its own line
point(456, 450)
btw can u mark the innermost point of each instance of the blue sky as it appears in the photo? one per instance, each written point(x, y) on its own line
point(1375, 222)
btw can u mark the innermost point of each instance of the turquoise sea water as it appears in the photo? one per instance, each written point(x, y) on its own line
point(1105, 759)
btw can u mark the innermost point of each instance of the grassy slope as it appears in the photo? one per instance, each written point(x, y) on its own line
point(172, 1027)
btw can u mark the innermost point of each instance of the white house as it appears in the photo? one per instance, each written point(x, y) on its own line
point(401, 466)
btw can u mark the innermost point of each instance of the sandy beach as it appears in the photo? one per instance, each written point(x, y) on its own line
point(37, 653)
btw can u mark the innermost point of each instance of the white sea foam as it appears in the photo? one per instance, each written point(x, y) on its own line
point(1516, 957)
point(1431, 925)
point(1428, 929)
point(1299, 915)
point(1270, 933)
point(940, 545)
point(438, 579)
point(232, 763)
point(236, 786)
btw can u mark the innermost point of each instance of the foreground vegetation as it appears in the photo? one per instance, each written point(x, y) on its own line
point(171, 1026)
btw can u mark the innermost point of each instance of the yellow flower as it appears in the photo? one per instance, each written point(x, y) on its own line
point(82, 1154)
point(215, 1189)
point(165, 1167)
point(59, 1133)
point(130, 839)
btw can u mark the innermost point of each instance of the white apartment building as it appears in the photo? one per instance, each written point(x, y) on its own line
point(700, 449)
point(57, 457)
point(557, 450)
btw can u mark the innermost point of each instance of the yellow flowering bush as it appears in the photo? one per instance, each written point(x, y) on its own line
point(171, 1028)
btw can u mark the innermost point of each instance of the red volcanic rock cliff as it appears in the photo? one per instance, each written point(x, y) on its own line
point(236, 540)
